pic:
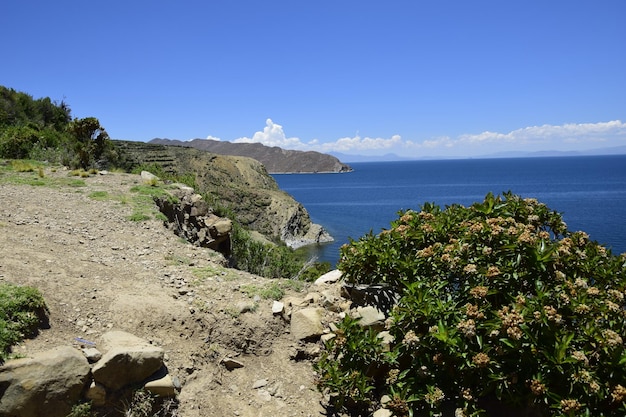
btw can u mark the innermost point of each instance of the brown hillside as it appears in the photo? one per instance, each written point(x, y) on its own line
point(275, 159)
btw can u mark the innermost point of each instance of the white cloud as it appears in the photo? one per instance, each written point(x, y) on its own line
point(272, 135)
point(567, 133)
point(213, 138)
point(358, 143)
point(534, 138)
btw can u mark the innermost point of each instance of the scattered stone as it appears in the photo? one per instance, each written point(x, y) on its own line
point(264, 395)
point(328, 336)
point(231, 363)
point(386, 340)
point(382, 412)
point(260, 383)
point(92, 354)
point(278, 307)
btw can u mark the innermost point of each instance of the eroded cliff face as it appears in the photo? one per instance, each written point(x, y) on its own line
point(242, 184)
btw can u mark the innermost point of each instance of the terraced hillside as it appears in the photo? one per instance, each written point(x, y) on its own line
point(240, 183)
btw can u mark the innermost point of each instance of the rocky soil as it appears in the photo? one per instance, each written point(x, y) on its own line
point(100, 271)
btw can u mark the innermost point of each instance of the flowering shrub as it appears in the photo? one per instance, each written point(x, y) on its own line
point(499, 303)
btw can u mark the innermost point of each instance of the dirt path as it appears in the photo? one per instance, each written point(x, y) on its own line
point(99, 271)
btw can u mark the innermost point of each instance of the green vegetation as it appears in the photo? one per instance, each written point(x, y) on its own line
point(498, 303)
point(99, 195)
point(269, 260)
point(22, 310)
point(44, 130)
point(188, 179)
point(274, 290)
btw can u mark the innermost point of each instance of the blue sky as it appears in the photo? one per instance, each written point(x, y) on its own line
point(416, 78)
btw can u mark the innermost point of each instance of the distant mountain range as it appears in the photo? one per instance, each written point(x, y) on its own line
point(276, 160)
point(617, 150)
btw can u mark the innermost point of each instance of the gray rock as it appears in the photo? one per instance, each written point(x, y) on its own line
point(148, 176)
point(92, 354)
point(370, 317)
point(47, 384)
point(382, 412)
point(307, 323)
point(386, 339)
point(162, 386)
point(260, 383)
point(329, 277)
point(129, 359)
point(278, 307)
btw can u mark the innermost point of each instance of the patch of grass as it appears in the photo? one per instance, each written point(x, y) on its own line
point(22, 310)
point(138, 216)
point(149, 190)
point(21, 165)
point(76, 183)
point(271, 291)
point(203, 273)
point(274, 290)
point(99, 195)
point(81, 410)
point(178, 260)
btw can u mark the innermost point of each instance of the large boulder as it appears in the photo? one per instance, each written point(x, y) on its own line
point(128, 360)
point(307, 323)
point(47, 384)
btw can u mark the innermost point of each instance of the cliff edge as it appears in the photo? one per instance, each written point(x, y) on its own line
point(240, 183)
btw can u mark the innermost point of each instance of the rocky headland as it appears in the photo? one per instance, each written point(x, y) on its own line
point(240, 183)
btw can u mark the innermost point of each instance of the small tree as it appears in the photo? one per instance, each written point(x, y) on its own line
point(90, 140)
point(498, 304)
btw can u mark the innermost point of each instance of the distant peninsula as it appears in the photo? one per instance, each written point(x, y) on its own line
point(276, 160)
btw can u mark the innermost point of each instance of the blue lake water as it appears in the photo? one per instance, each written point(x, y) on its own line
point(590, 192)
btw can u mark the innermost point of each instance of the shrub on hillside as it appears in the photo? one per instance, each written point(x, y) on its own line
point(22, 311)
point(498, 303)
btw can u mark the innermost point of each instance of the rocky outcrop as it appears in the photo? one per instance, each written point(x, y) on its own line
point(276, 160)
point(191, 218)
point(51, 382)
point(239, 183)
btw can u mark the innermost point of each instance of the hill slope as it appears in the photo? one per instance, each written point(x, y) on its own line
point(99, 271)
point(239, 183)
point(275, 159)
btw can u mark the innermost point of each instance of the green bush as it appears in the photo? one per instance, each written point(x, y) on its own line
point(22, 310)
point(262, 258)
point(498, 304)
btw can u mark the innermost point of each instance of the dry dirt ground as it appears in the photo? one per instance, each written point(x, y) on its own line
point(99, 271)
